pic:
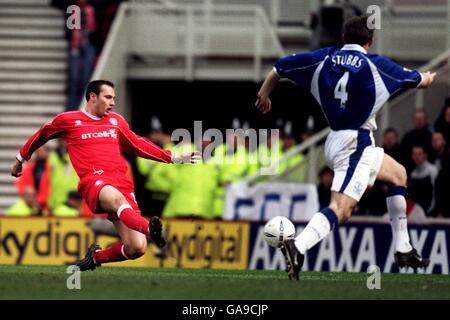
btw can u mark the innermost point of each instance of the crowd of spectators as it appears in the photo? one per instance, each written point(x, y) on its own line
point(86, 34)
point(425, 152)
point(48, 185)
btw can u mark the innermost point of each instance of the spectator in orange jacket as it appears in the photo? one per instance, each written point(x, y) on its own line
point(36, 176)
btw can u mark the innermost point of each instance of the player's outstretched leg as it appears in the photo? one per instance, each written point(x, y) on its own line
point(294, 259)
point(405, 255)
point(395, 175)
point(88, 262)
point(152, 229)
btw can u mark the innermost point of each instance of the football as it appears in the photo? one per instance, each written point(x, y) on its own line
point(278, 229)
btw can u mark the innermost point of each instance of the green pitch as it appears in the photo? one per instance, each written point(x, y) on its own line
point(48, 282)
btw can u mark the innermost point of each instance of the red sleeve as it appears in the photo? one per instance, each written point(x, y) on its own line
point(48, 131)
point(136, 145)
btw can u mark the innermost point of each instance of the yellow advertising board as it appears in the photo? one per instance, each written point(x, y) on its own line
point(191, 243)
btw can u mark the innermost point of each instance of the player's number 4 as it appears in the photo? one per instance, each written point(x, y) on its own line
point(340, 91)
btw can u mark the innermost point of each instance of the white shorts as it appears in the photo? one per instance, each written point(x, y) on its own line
point(355, 160)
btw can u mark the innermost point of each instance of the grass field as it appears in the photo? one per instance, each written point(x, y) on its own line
point(49, 282)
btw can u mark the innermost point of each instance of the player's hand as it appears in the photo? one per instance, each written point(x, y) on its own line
point(192, 157)
point(428, 79)
point(16, 169)
point(263, 103)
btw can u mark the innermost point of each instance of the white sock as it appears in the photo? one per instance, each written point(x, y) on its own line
point(317, 228)
point(396, 205)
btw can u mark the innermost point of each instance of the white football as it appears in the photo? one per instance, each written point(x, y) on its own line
point(277, 230)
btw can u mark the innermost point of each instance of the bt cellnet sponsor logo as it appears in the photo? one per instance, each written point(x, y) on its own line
point(111, 133)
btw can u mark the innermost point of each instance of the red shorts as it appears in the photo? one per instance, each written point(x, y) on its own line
point(90, 189)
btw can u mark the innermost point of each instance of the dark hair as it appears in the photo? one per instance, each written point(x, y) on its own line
point(391, 130)
point(356, 30)
point(95, 87)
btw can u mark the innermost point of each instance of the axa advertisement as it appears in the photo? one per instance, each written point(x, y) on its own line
point(221, 244)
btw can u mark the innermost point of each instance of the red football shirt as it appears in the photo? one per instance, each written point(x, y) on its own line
point(95, 144)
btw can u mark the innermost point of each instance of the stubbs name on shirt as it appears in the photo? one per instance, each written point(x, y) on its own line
point(350, 59)
point(111, 133)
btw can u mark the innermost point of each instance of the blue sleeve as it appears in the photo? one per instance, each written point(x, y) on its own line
point(394, 76)
point(300, 67)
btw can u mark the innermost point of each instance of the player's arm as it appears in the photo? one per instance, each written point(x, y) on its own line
point(141, 147)
point(396, 77)
point(298, 68)
point(263, 102)
point(48, 131)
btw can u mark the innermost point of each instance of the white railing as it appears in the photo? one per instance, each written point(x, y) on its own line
point(190, 31)
point(198, 30)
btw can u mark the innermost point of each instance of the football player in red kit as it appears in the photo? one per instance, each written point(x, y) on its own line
point(95, 137)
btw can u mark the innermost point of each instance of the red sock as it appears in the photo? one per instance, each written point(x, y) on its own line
point(132, 220)
point(111, 254)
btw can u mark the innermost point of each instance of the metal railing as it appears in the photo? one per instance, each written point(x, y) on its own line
point(312, 148)
point(191, 31)
point(199, 30)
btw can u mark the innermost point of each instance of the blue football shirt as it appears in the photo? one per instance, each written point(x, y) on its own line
point(349, 84)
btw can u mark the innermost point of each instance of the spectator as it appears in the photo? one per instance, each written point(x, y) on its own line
point(82, 54)
point(105, 10)
point(158, 178)
point(63, 178)
point(324, 188)
point(34, 184)
point(440, 152)
point(443, 121)
point(442, 198)
point(294, 166)
point(71, 208)
point(423, 179)
point(392, 146)
point(26, 205)
point(420, 135)
point(193, 191)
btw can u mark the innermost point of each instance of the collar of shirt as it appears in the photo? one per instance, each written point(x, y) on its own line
point(354, 47)
point(90, 115)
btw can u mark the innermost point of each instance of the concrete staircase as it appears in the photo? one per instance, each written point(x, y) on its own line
point(33, 73)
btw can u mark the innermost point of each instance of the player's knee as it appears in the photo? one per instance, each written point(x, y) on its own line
point(400, 177)
point(136, 249)
point(346, 214)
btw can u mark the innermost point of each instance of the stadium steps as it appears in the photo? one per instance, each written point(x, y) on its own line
point(31, 22)
point(33, 75)
point(33, 65)
point(29, 109)
point(41, 55)
point(36, 87)
point(8, 190)
point(21, 120)
point(32, 32)
point(38, 76)
point(23, 3)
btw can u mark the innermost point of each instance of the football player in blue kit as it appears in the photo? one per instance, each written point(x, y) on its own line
point(350, 85)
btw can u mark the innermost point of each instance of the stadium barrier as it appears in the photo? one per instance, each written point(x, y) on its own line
point(221, 244)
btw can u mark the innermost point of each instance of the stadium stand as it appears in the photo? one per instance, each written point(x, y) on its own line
point(32, 77)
